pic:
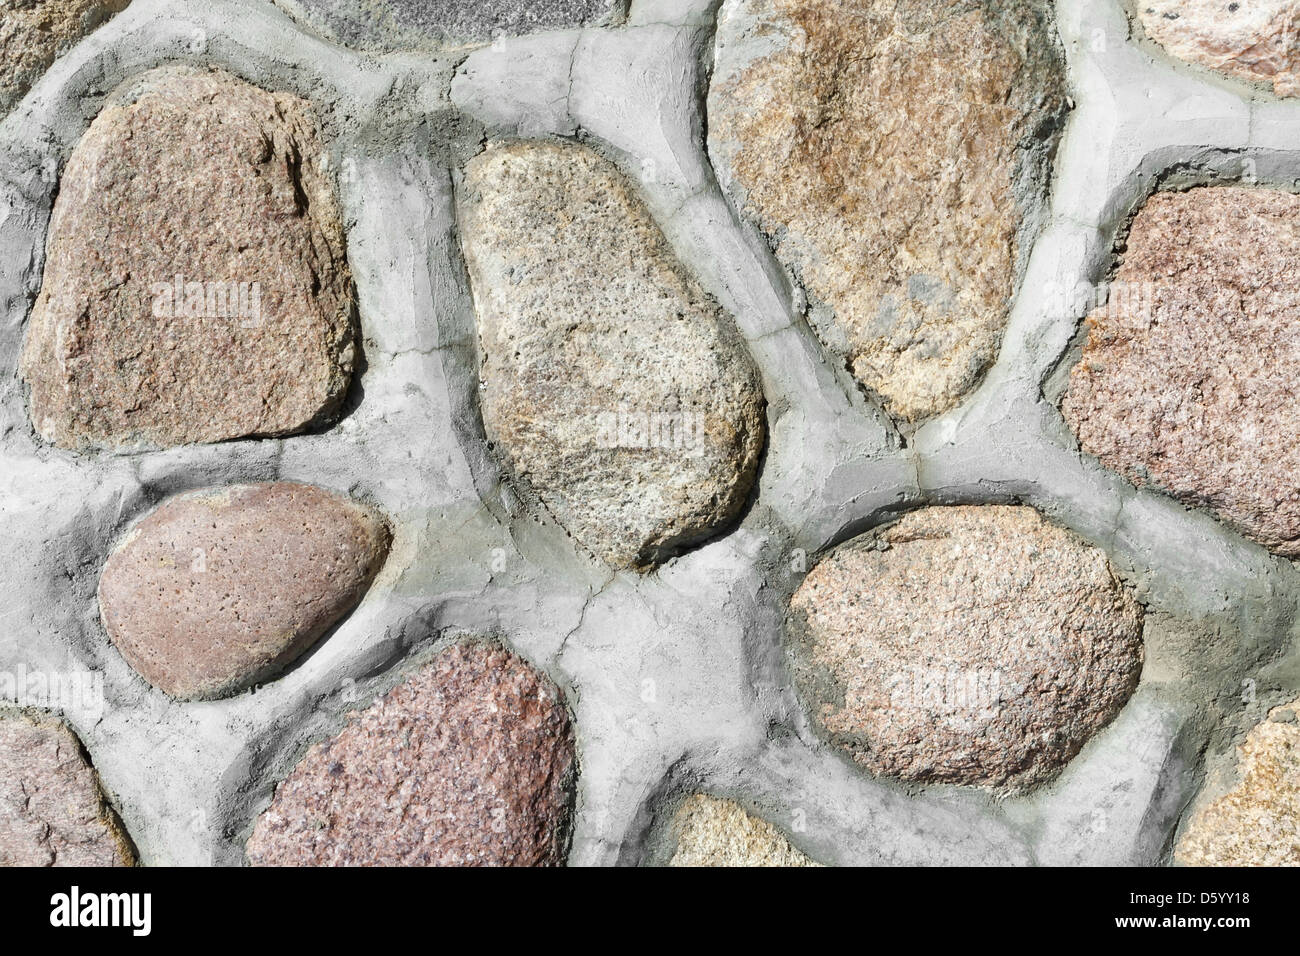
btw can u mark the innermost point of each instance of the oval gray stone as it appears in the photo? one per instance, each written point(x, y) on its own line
point(613, 386)
point(220, 588)
point(196, 287)
point(965, 645)
point(53, 811)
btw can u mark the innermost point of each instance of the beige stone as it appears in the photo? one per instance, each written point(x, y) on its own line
point(1257, 823)
point(712, 832)
point(969, 645)
point(613, 386)
point(897, 152)
point(34, 32)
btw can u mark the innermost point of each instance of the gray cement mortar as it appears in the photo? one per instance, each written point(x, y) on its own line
point(677, 679)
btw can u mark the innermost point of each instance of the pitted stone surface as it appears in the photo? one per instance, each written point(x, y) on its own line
point(1258, 822)
point(1187, 380)
point(966, 645)
point(195, 181)
point(612, 384)
point(1253, 40)
point(714, 832)
point(898, 154)
point(52, 809)
point(34, 32)
point(469, 762)
point(421, 24)
point(223, 587)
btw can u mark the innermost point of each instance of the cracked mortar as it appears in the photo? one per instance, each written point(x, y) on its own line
point(676, 679)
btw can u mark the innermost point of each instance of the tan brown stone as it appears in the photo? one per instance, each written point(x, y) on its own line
point(220, 588)
point(1257, 823)
point(612, 384)
point(966, 645)
point(897, 152)
point(1187, 379)
point(1254, 40)
point(34, 32)
point(468, 762)
point(200, 182)
point(709, 831)
point(52, 809)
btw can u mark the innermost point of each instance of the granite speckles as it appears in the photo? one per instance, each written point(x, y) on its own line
point(1257, 823)
point(468, 762)
point(52, 809)
point(220, 588)
point(897, 154)
point(34, 32)
point(966, 645)
point(1253, 40)
point(1187, 379)
point(196, 287)
point(614, 387)
point(713, 832)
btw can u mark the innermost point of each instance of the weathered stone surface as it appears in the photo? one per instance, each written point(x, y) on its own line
point(612, 384)
point(52, 809)
point(1257, 823)
point(469, 762)
point(1253, 40)
point(34, 32)
point(714, 832)
point(897, 153)
point(197, 179)
point(220, 588)
point(421, 24)
point(967, 645)
point(1187, 380)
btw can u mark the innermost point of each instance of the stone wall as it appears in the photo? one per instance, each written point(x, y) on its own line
point(687, 432)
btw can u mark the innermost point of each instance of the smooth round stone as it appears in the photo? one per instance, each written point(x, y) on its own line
point(221, 588)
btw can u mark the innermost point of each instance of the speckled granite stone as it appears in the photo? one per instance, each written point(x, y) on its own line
point(421, 24)
point(966, 645)
point(468, 762)
point(52, 809)
point(1255, 40)
point(1257, 823)
point(613, 386)
point(220, 588)
point(897, 152)
point(200, 182)
point(1188, 378)
point(34, 32)
point(714, 832)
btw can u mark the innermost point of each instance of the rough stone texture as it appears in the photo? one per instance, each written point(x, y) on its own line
point(203, 176)
point(469, 762)
point(1253, 40)
point(52, 809)
point(418, 24)
point(1187, 380)
point(897, 153)
point(1258, 822)
point(586, 321)
point(714, 832)
point(34, 32)
point(968, 645)
point(220, 588)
